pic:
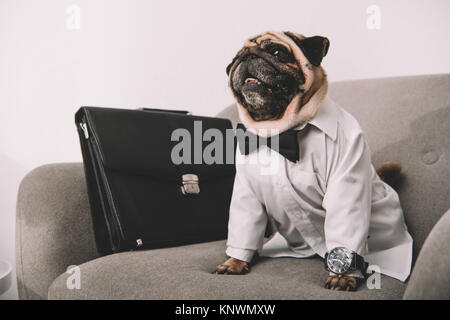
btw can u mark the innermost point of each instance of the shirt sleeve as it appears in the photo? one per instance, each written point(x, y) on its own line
point(247, 223)
point(348, 199)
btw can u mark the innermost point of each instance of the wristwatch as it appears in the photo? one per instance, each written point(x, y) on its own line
point(341, 260)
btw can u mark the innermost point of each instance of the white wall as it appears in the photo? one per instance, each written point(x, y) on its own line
point(173, 54)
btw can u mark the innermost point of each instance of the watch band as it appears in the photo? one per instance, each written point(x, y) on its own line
point(358, 263)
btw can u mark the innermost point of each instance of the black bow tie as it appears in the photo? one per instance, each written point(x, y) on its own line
point(288, 143)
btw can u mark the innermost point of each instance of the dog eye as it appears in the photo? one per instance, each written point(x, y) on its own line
point(275, 51)
point(281, 55)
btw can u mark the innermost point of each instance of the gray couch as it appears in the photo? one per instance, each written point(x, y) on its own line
point(405, 119)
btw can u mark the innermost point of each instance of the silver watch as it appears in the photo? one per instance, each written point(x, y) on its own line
point(341, 260)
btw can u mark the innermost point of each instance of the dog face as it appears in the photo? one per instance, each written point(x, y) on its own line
point(271, 69)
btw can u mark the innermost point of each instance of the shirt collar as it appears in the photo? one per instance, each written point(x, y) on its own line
point(325, 119)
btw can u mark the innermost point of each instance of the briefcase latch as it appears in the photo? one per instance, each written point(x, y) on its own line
point(190, 184)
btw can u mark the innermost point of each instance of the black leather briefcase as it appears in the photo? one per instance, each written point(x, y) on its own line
point(140, 198)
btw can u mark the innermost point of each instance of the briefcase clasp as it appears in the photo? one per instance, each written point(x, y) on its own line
point(190, 184)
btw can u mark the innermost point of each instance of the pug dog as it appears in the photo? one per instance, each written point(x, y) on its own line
point(278, 82)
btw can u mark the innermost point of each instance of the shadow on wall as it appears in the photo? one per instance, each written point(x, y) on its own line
point(424, 187)
point(11, 173)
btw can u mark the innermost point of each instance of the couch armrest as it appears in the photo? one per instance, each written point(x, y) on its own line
point(430, 277)
point(54, 227)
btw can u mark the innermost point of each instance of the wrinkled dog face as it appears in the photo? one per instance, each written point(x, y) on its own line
point(265, 77)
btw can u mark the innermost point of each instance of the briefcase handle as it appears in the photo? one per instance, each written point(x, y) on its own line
point(165, 110)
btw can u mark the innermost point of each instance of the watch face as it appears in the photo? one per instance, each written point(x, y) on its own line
point(339, 260)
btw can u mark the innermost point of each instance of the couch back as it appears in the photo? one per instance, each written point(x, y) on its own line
point(405, 119)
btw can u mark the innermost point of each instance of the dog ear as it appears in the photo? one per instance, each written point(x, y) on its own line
point(314, 48)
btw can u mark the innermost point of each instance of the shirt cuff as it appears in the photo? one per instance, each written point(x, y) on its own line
point(240, 254)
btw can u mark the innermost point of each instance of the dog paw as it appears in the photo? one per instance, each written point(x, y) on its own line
point(344, 283)
point(232, 266)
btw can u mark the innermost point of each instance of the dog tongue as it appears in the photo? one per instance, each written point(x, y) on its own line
point(251, 80)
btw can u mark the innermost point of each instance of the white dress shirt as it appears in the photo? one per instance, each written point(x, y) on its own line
point(331, 197)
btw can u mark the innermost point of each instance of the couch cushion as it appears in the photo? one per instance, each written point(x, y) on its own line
point(405, 119)
point(185, 273)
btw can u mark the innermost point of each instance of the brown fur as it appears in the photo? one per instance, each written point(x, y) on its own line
point(232, 266)
point(389, 172)
point(342, 283)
